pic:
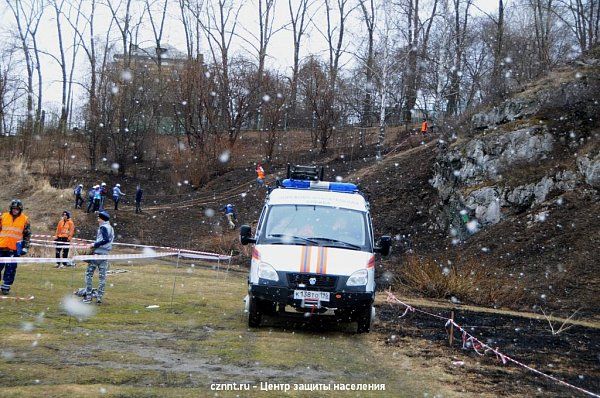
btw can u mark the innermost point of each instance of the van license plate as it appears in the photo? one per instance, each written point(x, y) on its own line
point(310, 295)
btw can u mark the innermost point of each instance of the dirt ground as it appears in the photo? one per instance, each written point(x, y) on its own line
point(197, 335)
point(168, 331)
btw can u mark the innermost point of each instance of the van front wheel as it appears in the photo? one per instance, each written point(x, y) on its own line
point(254, 314)
point(363, 319)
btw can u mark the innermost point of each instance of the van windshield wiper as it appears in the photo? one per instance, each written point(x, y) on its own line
point(293, 237)
point(351, 245)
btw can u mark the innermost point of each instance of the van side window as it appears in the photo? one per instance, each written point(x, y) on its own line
point(260, 220)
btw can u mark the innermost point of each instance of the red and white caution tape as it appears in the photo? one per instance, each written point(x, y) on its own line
point(470, 341)
point(49, 240)
point(112, 257)
point(17, 298)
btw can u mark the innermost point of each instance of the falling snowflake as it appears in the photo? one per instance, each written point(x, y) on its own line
point(472, 226)
point(126, 75)
point(76, 308)
point(224, 156)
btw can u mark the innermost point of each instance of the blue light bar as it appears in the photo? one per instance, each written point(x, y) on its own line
point(320, 185)
point(297, 184)
point(343, 187)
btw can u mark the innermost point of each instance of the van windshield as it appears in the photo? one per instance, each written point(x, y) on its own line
point(316, 225)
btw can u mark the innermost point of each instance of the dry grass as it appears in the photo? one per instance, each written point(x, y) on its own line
point(42, 202)
point(467, 281)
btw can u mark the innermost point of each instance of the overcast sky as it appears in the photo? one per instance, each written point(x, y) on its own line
point(280, 48)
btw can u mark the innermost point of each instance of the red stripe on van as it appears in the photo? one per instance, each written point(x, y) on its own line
point(371, 263)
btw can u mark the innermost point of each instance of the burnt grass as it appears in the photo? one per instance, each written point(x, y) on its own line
point(572, 355)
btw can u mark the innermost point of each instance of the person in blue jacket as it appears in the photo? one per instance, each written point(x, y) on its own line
point(116, 195)
point(90, 198)
point(78, 199)
point(97, 199)
point(230, 214)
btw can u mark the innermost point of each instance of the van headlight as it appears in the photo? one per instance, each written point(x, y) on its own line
point(266, 271)
point(358, 278)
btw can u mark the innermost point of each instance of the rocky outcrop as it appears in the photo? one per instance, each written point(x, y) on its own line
point(506, 112)
point(487, 157)
point(501, 168)
point(471, 176)
point(590, 169)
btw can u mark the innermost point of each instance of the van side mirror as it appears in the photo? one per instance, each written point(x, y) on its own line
point(384, 245)
point(246, 235)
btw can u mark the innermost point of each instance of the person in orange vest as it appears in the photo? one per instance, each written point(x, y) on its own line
point(260, 175)
point(15, 236)
point(424, 127)
point(65, 230)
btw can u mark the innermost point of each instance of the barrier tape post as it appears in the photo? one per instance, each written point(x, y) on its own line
point(451, 336)
point(175, 278)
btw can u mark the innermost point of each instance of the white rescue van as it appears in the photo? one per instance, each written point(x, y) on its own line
point(314, 251)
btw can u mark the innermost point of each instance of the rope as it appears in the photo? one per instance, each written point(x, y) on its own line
point(478, 345)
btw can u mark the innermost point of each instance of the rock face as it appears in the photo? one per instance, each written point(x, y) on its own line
point(488, 157)
point(500, 170)
point(472, 176)
point(506, 112)
point(590, 169)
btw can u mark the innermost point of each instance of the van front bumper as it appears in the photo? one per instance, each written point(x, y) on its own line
point(285, 295)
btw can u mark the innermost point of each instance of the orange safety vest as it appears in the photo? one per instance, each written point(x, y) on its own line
point(424, 127)
point(65, 229)
point(12, 230)
point(261, 173)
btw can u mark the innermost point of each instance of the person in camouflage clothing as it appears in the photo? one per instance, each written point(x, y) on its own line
point(102, 246)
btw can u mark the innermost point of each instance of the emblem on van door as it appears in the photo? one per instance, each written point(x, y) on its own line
point(312, 281)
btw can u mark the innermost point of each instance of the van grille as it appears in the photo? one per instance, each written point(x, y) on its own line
point(325, 282)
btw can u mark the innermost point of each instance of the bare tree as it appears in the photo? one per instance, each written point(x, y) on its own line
point(27, 16)
point(220, 26)
point(299, 21)
point(273, 110)
point(417, 38)
point(498, 86)
point(64, 110)
point(460, 28)
point(583, 18)
point(387, 67)
point(9, 90)
point(543, 15)
point(369, 18)
point(125, 134)
point(323, 100)
point(97, 76)
point(190, 11)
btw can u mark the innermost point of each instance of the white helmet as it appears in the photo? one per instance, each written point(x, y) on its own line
point(103, 184)
point(96, 186)
point(81, 185)
point(118, 185)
